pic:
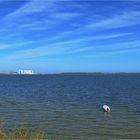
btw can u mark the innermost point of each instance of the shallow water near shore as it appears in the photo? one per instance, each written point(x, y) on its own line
point(69, 106)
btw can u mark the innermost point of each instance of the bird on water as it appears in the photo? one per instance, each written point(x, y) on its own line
point(106, 108)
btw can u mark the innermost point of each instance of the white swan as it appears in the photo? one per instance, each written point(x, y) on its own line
point(106, 108)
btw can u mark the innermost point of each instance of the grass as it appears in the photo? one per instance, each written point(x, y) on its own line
point(22, 134)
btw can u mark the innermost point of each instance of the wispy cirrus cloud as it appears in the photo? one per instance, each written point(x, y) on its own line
point(124, 19)
point(59, 49)
point(127, 18)
point(5, 46)
point(33, 6)
point(117, 21)
point(60, 39)
point(45, 29)
point(64, 15)
point(39, 9)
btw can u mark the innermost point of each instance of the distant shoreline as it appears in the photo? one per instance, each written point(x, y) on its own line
point(71, 73)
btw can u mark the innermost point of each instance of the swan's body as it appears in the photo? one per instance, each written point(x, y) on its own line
point(106, 108)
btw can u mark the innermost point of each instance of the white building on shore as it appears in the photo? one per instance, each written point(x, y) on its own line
point(25, 72)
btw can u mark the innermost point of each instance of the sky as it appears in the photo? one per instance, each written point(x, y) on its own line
point(52, 36)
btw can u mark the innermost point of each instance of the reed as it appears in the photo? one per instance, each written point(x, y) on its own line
point(22, 134)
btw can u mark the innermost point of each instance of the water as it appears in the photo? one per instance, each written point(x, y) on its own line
point(70, 106)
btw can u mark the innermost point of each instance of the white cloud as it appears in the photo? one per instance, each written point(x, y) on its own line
point(64, 15)
point(14, 45)
point(125, 19)
point(4, 46)
point(61, 49)
point(80, 40)
point(33, 6)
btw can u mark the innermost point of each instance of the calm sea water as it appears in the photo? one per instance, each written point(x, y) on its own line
point(70, 106)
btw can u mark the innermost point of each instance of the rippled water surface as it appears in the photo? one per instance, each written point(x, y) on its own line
point(70, 106)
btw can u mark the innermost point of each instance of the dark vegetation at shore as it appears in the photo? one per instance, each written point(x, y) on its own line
point(22, 134)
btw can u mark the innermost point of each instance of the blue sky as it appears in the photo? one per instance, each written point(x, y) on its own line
point(60, 36)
